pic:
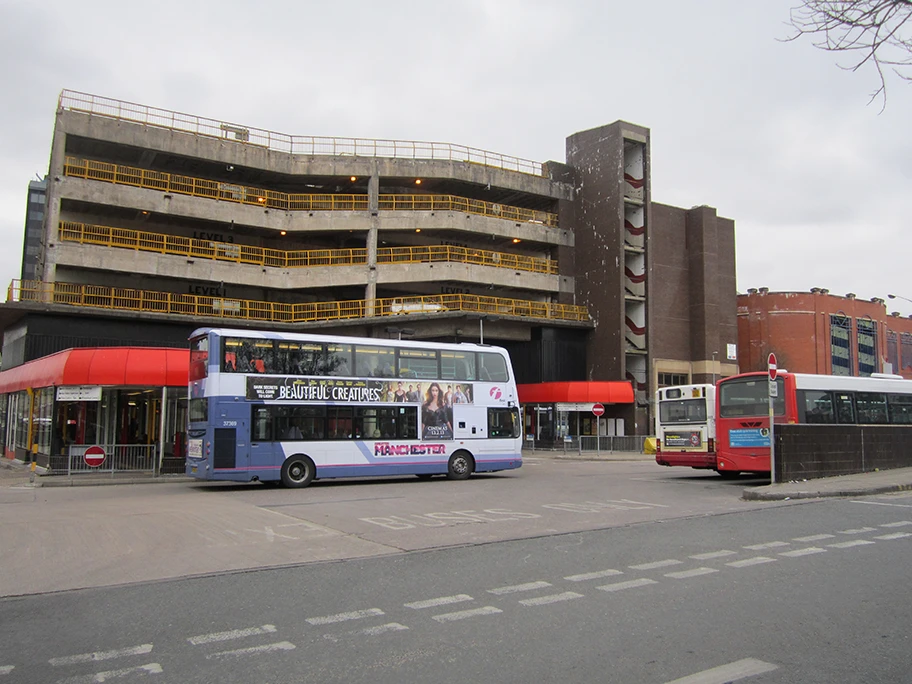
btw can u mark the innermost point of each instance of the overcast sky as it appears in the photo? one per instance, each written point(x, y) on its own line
point(773, 134)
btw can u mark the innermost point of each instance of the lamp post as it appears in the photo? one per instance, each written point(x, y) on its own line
point(890, 296)
point(714, 354)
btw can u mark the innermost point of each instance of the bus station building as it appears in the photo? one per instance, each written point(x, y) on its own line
point(154, 223)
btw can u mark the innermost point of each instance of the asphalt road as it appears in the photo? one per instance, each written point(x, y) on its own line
point(808, 592)
point(77, 537)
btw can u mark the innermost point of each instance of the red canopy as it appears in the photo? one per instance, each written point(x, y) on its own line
point(612, 392)
point(117, 366)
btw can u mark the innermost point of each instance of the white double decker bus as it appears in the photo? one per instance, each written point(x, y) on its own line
point(292, 408)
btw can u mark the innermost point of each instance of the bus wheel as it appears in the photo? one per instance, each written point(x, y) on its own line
point(298, 471)
point(460, 466)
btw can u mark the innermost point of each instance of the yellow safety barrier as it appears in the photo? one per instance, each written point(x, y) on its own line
point(127, 299)
point(273, 199)
point(107, 236)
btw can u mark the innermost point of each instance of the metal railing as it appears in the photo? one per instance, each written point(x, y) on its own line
point(145, 301)
point(108, 236)
point(274, 199)
point(293, 144)
point(118, 458)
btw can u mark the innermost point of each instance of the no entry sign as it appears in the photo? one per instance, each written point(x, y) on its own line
point(94, 456)
point(598, 409)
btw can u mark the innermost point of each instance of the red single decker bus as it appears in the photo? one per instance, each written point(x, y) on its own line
point(742, 410)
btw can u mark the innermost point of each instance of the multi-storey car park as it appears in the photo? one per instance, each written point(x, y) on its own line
point(158, 222)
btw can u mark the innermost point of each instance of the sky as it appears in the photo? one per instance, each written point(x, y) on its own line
point(773, 134)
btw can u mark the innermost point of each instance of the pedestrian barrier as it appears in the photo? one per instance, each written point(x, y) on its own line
point(135, 458)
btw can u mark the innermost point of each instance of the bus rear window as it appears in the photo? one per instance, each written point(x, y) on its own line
point(683, 411)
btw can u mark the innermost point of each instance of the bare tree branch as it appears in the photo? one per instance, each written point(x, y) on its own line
point(876, 32)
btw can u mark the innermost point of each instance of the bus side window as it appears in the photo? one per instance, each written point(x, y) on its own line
point(845, 409)
point(230, 362)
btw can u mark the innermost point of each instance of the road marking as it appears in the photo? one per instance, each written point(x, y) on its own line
point(901, 523)
point(894, 535)
point(803, 552)
point(713, 554)
point(369, 631)
point(656, 564)
point(6, 669)
point(342, 617)
point(860, 530)
point(696, 572)
point(748, 667)
point(233, 634)
point(883, 503)
point(768, 545)
point(101, 655)
point(254, 650)
point(554, 598)
point(593, 575)
point(756, 560)
point(442, 601)
point(814, 537)
point(529, 586)
point(630, 584)
point(463, 614)
point(151, 668)
point(849, 544)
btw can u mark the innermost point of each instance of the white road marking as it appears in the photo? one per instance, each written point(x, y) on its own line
point(6, 669)
point(529, 586)
point(713, 554)
point(894, 535)
point(233, 634)
point(593, 575)
point(342, 617)
point(696, 572)
point(814, 537)
point(768, 545)
point(883, 503)
point(463, 614)
point(630, 584)
point(369, 631)
point(756, 560)
point(901, 523)
point(253, 650)
point(849, 544)
point(553, 598)
point(860, 530)
point(102, 655)
point(803, 552)
point(656, 564)
point(151, 668)
point(748, 667)
point(442, 601)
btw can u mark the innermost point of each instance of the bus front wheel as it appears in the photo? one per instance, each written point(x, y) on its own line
point(461, 465)
point(298, 471)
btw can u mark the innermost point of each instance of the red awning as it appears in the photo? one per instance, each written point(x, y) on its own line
point(112, 366)
point(616, 392)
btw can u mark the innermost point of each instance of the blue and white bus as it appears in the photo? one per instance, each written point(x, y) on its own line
point(269, 407)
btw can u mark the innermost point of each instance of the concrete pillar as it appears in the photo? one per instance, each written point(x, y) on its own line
point(373, 203)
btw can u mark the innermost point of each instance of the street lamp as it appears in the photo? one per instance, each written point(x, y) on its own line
point(714, 354)
point(481, 319)
point(889, 296)
point(400, 331)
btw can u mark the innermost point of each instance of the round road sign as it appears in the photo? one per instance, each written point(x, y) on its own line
point(598, 409)
point(771, 361)
point(94, 456)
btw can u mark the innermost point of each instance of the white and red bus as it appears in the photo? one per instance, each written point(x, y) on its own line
point(742, 408)
point(685, 426)
point(292, 408)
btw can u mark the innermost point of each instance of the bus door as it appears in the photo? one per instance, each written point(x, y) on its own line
point(470, 422)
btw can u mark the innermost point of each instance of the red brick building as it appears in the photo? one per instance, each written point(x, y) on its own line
point(816, 332)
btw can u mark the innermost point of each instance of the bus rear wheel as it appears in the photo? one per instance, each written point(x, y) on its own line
point(298, 471)
point(461, 465)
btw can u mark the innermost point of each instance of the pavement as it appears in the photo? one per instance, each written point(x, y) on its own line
point(18, 473)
